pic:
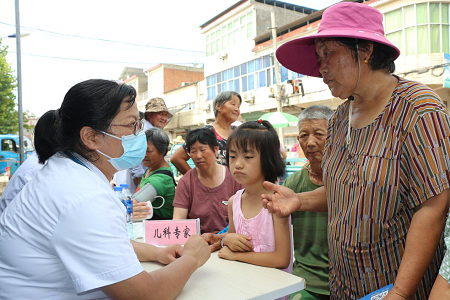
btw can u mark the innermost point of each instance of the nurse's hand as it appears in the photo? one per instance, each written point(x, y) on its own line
point(197, 249)
point(282, 202)
point(168, 254)
point(213, 240)
point(140, 210)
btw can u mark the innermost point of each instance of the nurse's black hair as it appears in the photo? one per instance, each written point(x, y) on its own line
point(93, 103)
point(262, 137)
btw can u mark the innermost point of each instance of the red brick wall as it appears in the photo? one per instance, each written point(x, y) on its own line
point(174, 77)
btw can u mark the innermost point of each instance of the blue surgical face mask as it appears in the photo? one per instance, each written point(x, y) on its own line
point(134, 149)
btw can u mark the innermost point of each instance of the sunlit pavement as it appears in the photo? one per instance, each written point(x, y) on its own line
point(3, 182)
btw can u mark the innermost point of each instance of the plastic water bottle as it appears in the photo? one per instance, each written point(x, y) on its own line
point(129, 217)
point(118, 192)
point(129, 205)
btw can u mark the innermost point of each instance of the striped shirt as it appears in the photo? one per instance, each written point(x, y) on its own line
point(373, 185)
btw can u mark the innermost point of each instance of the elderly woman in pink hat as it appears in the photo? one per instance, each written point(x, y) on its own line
point(385, 166)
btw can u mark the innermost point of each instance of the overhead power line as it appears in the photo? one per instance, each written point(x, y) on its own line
point(104, 40)
point(105, 61)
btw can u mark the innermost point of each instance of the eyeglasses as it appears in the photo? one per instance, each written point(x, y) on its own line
point(138, 126)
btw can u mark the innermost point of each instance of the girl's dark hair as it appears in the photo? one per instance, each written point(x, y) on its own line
point(159, 139)
point(382, 57)
point(93, 103)
point(262, 137)
point(202, 135)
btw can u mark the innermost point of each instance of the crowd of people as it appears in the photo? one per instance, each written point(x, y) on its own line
point(368, 210)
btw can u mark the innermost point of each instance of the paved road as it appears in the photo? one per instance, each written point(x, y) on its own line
point(3, 183)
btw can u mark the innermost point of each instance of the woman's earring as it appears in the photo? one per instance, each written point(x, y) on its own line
point(366, 61)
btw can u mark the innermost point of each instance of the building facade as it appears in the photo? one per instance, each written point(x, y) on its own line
point(240, 57)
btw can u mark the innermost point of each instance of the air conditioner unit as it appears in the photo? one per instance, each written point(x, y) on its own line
point(249, 98)
point(223, 56)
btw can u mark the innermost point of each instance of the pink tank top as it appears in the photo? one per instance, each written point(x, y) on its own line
point(259, 228)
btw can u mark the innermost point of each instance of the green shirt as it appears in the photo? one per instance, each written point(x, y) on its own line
point(310, 239)
point(164, 187)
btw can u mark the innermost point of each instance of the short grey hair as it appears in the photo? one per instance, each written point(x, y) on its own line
point(315, 112)
point(224, 97)
point(158, 138)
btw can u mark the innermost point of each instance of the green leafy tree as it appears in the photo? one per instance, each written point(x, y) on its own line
point(9, 122)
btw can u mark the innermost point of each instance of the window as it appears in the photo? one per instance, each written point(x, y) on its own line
point(249, 25)
point(266, 61)
point(236, 86)
point(248, 76)
point(283, 73)
point(213, 47)
point(231, 73)
point(419, 28)
point(218, 45)
point(230, 34)
point(259, 64)
point(393, 20)
point(244, 69)
point(251, 82)
point(262, 79)
point(244, 84)
point(251, 66)
point(422, 13)
point(8, 145)
point(225, 75)
point(231, 85)
point(237, 71)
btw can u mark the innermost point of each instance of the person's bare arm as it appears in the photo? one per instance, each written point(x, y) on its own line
point(167, 282)
point(423, 237)
point(283, 154)
point(164, 255)
point(280, 258)
point(180, 213)
point(285, 201)
point(179, 160)
point(441, 289)
point(235, 241)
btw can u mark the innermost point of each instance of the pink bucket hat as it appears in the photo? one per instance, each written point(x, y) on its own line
point(346, 19)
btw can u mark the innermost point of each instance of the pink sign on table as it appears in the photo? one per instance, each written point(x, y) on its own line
point(168, 232)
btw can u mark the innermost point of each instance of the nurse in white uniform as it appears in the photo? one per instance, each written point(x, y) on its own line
point(64, 235)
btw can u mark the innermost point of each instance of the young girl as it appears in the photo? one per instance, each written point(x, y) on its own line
point(256, 236)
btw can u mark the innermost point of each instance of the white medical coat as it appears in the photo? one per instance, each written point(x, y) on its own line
point(64, 234)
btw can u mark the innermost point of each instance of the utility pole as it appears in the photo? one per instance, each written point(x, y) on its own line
point(19, 82)
point(277, 73)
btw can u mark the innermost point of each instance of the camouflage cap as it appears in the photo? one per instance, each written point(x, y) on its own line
point(156, 105)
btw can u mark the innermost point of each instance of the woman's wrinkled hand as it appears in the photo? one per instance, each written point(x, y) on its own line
point(282, 202)
point(238, 242)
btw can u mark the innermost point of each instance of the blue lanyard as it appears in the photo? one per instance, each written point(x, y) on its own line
point(72, 157)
